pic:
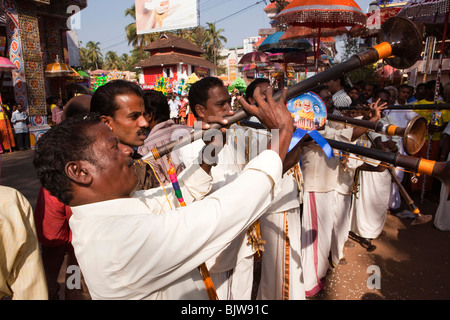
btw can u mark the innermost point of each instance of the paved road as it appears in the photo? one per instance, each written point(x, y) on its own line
point(17, 171)
point(413, 261)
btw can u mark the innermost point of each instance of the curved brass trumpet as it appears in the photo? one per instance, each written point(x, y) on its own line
point(414, 135)
point(432, 106)
point(400, 44)
point(439, 170)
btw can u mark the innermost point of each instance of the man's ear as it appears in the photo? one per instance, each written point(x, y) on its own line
point(79, 172)
point(107, 120)
point(200, 110)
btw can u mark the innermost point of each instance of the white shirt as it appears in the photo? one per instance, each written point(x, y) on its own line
point(19, 126)
point(321, 174)
point(341, 99)
point(242, 145)
point(127, 252)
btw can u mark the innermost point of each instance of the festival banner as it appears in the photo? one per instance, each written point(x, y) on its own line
point(162, 15)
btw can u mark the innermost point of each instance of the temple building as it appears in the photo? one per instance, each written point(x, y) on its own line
point(35, 33)
point(173, 59)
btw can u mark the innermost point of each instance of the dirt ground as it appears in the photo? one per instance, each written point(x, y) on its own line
point(413, 261)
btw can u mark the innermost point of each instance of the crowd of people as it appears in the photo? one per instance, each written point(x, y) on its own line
point(193, 222)
point(14, 128)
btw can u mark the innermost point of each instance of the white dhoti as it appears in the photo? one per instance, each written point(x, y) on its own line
point(395, 199)
point(341, 227)
point(321, 221)
point(281, 269)
point(371, 203)
point(442, 217)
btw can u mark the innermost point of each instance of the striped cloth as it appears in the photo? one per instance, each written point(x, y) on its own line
point(21, 270)
point(341, 99)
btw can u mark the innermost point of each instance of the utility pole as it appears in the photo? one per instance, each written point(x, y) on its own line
point(198, 12)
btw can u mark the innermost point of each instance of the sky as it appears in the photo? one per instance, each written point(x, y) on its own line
point(104, 21)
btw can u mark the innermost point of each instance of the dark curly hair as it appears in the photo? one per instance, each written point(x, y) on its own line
point(198, 94)
point(252, 86)
point(104, 99)
point(68, 141)
point(156, 104)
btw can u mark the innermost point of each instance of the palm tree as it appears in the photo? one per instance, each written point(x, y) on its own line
point(84, 59)
point(112, 61)
point(94, 54)
point(197, 36)
point(134, 39)
point(214, 40)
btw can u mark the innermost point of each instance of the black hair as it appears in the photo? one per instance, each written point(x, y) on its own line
point(51, 100)
point(252, 86)
point(68, 141)
point(380, 90)
point(432, 85)
point(198, 94)
point(319, 88)
point(104, 98)
point(156, 104)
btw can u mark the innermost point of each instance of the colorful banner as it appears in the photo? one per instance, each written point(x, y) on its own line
point(162, 15)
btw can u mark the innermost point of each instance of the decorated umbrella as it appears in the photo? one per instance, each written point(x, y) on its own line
point(5, 66)
point(426, 11)
point(429, 12)
point(273, 44)
point(58, 70)
point(375, 18)
point(302, 32)
point(318, 14)
point(253, 58)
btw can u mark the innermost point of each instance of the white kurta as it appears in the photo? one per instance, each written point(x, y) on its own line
point(125, 251)
point(242, 145)
point(442, 217)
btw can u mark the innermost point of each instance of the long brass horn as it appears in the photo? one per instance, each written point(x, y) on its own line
point(414, 135)
point(431, 106)
point(400, 44)
point(419, 217)
point(439, 170)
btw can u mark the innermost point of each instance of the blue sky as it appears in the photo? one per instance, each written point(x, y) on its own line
point(104, 21)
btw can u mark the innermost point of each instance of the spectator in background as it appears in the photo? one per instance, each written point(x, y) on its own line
point(353, 93)
point(174, 105)
point(57, 112)
point(6, 133)
point(19, 120)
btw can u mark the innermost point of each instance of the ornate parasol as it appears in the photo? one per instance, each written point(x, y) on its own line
point(253, 57)
point(58, 70)
point(273, 44)
point(375, 19)
point(318, 14)
point(301, 32)
point(426, 11)
point(6, 65)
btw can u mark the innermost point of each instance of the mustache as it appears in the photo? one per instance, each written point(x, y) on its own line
point(142, 131)
point(131, 163)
